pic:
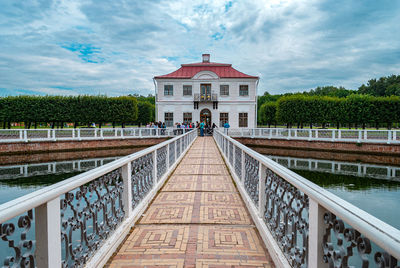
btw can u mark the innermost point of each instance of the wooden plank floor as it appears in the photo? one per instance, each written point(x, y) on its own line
point(197, 220)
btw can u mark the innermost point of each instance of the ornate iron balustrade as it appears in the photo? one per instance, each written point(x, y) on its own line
point(334, 135)
point(73, 223)
point(27, 135)
point(205, 97)
point(310, 226)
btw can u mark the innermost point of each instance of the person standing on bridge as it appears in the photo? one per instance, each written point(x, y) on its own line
point(226, 126)
point(202, 124)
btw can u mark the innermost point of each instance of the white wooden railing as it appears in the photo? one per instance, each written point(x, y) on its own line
point(82, 220)
point(302, 224)
point(334, 135)
point(78, 134)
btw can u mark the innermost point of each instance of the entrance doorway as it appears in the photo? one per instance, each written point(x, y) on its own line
point(205, 116)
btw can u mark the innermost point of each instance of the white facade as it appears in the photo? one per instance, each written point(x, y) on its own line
point(232, 104)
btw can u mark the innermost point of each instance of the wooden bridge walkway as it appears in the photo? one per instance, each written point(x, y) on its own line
point(198, 219)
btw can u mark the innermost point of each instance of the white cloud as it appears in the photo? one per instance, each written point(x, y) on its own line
point(290, 44)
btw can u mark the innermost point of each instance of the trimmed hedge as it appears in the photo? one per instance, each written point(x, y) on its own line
point(355, 109)
point(60, 109)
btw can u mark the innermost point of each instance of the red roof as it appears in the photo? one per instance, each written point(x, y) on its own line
point(223, 70)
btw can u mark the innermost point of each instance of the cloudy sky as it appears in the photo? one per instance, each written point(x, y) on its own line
point(116, 47)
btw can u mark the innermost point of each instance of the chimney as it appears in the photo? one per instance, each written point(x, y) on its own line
point(206, 57)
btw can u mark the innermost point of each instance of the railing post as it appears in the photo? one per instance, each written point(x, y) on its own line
point(79, 134)
point(155, 167)
point(95, 133)
point(310, 134)
point(295, 133)
point(243, 167)
point(54, 134)
point(359, 136)
point(122, 133)
point(167, 157)
point(49, 134)
point(261, 191)
point(333, 135)
point(25, 135)
point(270, 133)
point(73, 133)
point(365, 135)
point(315, 235)
point(48, 234)
point(101, 133)
point(316, 134)
point(394, 135)
point(127, 190)
point(340, 134)
point(389, 136)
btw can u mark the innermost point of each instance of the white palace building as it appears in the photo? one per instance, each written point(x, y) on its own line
point(207, 91)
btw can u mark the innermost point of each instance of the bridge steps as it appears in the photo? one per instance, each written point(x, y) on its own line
point(197, 220)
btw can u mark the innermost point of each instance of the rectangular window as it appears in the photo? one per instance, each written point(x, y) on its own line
point(224, 90)
point(242, 119)
point(223, 118)
point(243, 90)
point(187, 118)
point(187, 90)
point(168, 90)
point(169, 119)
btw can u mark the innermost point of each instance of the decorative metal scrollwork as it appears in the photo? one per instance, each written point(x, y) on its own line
point(178, 148)
point(286, 216)
point(171, 153)
point(23, 255)
point(89, 214)
point(161, 161)
point(339, 241)
point(142, 177)
point(238, 162)
point(251, 177)
point(231, 153)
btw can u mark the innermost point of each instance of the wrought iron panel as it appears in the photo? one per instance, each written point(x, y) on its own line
point(238, 162)
point(161, 162)
point(178, 148)
point(251, 177)
point(89, 214)
point(171, 153)
point(17, 234)
point(142, 178)
point(286, 216)
point(344, 246)
point(231, 153)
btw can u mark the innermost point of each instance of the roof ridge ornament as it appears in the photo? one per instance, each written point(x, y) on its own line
point(206, 57)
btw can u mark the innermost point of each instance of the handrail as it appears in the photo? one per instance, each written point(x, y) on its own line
point(121, 190)
point(79, 134)
point(332, 135)
point(260, 171)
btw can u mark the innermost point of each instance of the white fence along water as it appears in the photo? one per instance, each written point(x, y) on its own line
point(334, 135)
point(77, 134)
point(47, 168)
point(82, 220)
point(338, 167)
point(302, 224)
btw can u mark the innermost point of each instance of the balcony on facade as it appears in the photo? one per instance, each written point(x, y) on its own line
point(205, 97)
